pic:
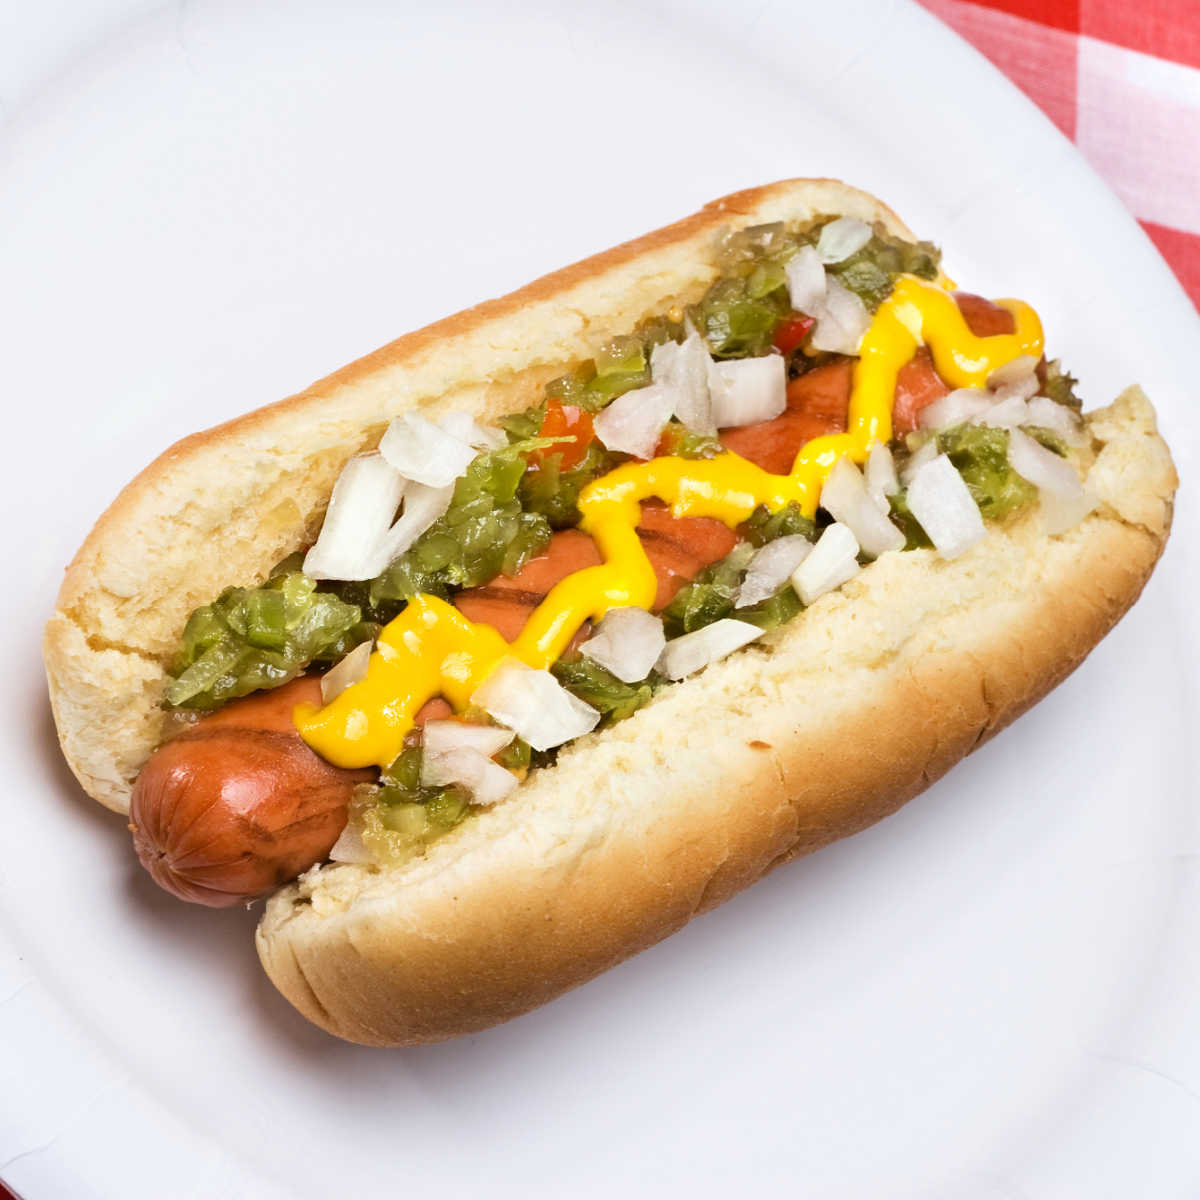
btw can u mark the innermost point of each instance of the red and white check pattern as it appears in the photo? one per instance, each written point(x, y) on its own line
point(1122, 79)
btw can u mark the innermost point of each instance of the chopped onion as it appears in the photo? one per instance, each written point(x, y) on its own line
point(842, 319)
point(682, 368)
point(1047, 414)
point(361, 509)
point(424, 452)
point(348, 672)
point(771, 567)
point(1015, 371)
point(955, 408)
point(1060, 513)
point(422, 506)
point(1005, 414)
point(487, 781)
point(833, 561)
point(944, 507)
point(1023, 389)
point(926, 454)
point(686, 655)
point(634, 422)
point(747, 390)
point(842, 238)
point(465, 428)
point(1043, 468)
point(882, 480)
point(627, 642)
point(535, 705)
point(846, 499)
point(806, 280)
point(350, 847)
point(438, 737)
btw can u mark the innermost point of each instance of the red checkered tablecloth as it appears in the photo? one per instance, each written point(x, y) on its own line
point(1121, 78)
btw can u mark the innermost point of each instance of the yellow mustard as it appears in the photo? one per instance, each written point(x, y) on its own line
point(431, 649)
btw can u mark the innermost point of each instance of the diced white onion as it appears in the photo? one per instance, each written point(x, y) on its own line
point(361, 509)
point(945, 508)
point(487, 781)
point(350, 847)
point(771, 567)
point(1007, 413)
point(422, 506)
point(460, 425)
point(634, 422)
point(955, 408)
point(842, 238)
point(424, 452)
point(346, 673)
point(361, 534)
point(686, 655)
point(846, 499)
point(925, 454)
point(463, 426)
point(439, 737)
point(1060, 513)
point(535, 705)
point(682, 368)
point(833, 561)
point(1045, 413)
point(492, 783)
point(627, 642)
point(882, 480)
point(842, 319)
point(1023, 389)
point(806, 280)
point(1016, 371)
point(1043, 468)
point(747, 390)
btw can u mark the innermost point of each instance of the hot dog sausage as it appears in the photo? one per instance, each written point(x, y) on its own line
point(677, 547)
point(983, 318)
point(918, 385)
point(237, 804)
point(817, 403)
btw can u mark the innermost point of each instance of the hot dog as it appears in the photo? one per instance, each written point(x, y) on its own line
point(628, 498)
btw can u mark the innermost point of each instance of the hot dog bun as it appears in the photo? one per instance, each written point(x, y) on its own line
point(823, 727)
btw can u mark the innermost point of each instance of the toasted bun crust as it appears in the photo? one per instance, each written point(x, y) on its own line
point(820, 729)
point(225, 505)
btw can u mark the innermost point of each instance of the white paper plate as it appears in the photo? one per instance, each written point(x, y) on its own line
point(992, 994)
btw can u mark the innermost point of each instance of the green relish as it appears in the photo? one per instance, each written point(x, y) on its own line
point(254, 638)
